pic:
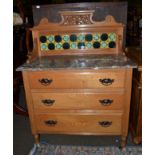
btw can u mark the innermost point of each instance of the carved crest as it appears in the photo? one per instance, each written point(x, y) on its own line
point(77, 17)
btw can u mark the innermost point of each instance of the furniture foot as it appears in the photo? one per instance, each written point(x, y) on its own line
point(37, 139)
point(123, 142)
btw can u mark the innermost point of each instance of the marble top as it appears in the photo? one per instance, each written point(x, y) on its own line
point(78, 62)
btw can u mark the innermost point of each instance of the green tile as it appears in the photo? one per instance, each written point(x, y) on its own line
point(89, 45)
point(66, 38)
point(73, 45)
point(81, 37)
point(51, 38)
point(43, 46)
point(58, 45)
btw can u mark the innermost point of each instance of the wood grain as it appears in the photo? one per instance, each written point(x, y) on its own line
point(76, 79)
point(78, 101)
point(79, 123)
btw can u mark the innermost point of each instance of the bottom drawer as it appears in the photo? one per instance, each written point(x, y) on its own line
point(79, 123)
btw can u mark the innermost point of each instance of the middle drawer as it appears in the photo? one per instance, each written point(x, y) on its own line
point(99, 101)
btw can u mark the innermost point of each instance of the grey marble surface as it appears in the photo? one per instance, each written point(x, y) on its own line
point(78, 62)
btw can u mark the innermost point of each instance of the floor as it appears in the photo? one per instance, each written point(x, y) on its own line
point(23, 140)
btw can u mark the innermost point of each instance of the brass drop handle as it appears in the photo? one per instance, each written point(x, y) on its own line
point(106, 102)
point(51, 122)
point(45, 82)
point(48, 102)
point(106, 82)
point(105, 123)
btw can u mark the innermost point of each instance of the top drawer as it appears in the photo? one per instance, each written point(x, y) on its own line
point(77, 79)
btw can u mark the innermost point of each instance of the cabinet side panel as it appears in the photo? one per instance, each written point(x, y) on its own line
point(128, 85)
point(29, 101)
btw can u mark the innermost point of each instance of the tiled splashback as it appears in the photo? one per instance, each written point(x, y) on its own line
point(77, 41)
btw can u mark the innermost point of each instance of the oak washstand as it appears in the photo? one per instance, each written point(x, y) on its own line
point(77, 79)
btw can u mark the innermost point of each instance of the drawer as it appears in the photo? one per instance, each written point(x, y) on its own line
point(85, 123)
point(67, 80)
point(105, 101)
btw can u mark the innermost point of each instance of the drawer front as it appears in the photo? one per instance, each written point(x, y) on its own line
point(71, 123)
point(68, 80)
point(43, 102)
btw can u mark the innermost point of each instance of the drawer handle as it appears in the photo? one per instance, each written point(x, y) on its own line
point(106, 82)
point(45, 82)
point(48, 102)
point(106, 102)
point(51, 122)
point(105, 123)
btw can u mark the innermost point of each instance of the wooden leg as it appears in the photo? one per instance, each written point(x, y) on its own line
point(37, 139)
point(123, 142)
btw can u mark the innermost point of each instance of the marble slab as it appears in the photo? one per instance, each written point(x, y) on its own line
point(78, 62)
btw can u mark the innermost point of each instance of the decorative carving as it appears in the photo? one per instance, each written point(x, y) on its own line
point(77, 20)
point(77, 17)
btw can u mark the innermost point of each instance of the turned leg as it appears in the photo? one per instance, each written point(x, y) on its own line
point(37, 139)
point(123, 141)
